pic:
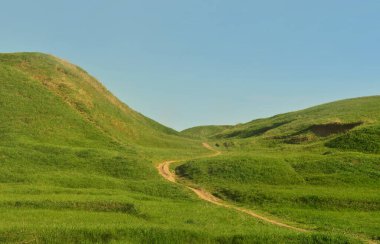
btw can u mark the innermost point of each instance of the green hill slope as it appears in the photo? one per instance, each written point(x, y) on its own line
point(357, 110)
point(85, 97)
point(319, 166)
point(318, 123)
point(204, 131)
point(78, 166)
point(59, 127)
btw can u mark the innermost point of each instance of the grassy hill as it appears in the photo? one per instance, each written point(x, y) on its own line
point(81, 95)
point(205, 131)
point(78, 166)
point(319, 166)
point(351, 111)
point(354, 124)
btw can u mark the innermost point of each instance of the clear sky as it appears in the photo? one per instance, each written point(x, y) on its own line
point(186, 63)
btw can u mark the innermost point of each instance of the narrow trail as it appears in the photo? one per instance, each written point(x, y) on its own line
point(164, 170)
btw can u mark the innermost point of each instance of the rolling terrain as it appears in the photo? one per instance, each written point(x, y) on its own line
point(205, 132)
point(319, 167)
point(79, 166)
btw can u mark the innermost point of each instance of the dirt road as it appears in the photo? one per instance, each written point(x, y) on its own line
point(164, 170)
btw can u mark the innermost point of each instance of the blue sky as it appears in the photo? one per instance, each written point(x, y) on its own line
point(187, 63)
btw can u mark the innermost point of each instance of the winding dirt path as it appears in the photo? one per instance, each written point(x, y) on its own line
point(164, 170)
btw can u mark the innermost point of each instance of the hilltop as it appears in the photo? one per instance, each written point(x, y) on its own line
point(360, 117)
point(43, 84)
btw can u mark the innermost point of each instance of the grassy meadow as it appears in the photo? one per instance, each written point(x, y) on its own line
point(79, 166)
point(304, 167)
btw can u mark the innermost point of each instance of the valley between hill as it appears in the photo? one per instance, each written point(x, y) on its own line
point(79, 166)
point(164, 170)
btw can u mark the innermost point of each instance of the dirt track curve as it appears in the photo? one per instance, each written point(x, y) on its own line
point(164, 170)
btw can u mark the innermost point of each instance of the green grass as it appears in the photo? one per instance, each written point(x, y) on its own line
point(58, 83)
point(319, 167)
point(363, 109)
point(78, 166)
point(364, 140)
point(298, 188)
point(204, 131)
